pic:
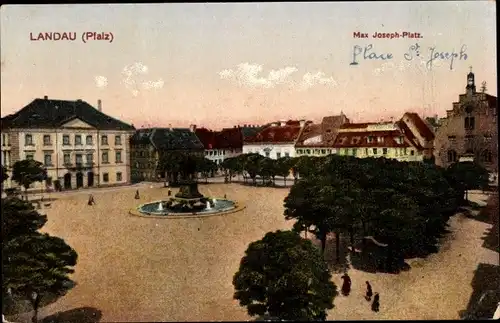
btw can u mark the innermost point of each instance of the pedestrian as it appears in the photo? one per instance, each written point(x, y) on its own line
point(346, 286)
point(91, 200)
point(376, 303)
point(137, 196)
point(369, 292)
point(169, 192)
point(225, 196)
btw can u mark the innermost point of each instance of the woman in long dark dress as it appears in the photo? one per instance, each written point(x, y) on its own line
point(346, 286)
point(369, 292)
point(376, 303)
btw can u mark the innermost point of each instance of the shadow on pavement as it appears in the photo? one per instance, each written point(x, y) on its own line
point(77, 315)
point(485, 293)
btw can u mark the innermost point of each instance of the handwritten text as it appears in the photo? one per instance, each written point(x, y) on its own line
point(368, 54)
point(437, 55)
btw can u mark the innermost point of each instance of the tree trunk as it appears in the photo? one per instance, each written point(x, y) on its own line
point(284, 180)
point(466, 196)
point(337, 246)
point(351, 237)
point(364, 235)
point(323, 242)
point(274, 181)
point(35, 302)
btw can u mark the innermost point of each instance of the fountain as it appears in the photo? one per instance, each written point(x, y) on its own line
point(188, 201)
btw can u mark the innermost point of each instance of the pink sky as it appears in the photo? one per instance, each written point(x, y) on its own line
point(217, 65)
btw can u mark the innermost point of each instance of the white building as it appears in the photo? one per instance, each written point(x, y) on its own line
point(78, 144)
point(275, 140)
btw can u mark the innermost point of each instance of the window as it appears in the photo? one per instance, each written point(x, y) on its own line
point(287, 154)
point(374, 151)
point(105, 158)
point(104, 140)
point(452, 156)
point(67, 159)
point(267, 154)
point(79, 159)
point(90, 159)
point(469, 123)
point(380, 139)
point(47, 159)
point(78, 139)
point(354, 152)
point(118, 140)
point(30, 156)
point(366, 151)
point(451, 138)
point(308, 151)
point(105, 177)
point(384, 151)
point(4, 137)
point(369, 139)
point(412, 152)
point(405, 152)
point(323, 151)
point(118, 157)
point(486, 156)
point(28, 140)
point(89, 140)
point(66, 140)
point(118, 177)
point(46, 140)
point(278, 155)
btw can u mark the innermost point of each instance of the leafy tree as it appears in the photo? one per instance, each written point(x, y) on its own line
point(36, 266)
point(267, 169)
point(252, 166)
point(170, 164)
point(19, 218)
point(283, 166)
point(465, 176)
point(26, 172)
point(206, 167)
point(284, 276)
point(229, 165)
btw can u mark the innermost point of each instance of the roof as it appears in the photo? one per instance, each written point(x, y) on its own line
point(229, 138)
point(207, 137)
point(359, 139)
point(357, 125)
point(422, 127)
point(410, 136)
point(167, 138)
point(48, 113)
point(310, 131)
point(327, 129)
point(288, 133)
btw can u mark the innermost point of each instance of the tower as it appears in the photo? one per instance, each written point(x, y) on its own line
point(471, 86)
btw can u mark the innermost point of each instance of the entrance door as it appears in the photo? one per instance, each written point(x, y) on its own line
point(79, 180)
point(67, 181)
point(90, 179)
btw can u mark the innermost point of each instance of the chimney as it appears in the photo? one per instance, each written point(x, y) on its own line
point(192, 128)
point(45, 97)
point(282, 123)
point(170, 127)
point(392, 119)
point(99, 105)
point(302, 123)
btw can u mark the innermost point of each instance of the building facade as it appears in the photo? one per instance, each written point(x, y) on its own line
point(318, 139)
point(275, 140)
point(148, 145)
point(78, 144)
point(470, 130)
point(408, 139)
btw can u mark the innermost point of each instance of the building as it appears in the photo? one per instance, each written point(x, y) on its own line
point(470, 130)
point(225, 143)
point(408, 139)
point(78, 144)
point(275, 140)
point(148, 144)
point(318, 139)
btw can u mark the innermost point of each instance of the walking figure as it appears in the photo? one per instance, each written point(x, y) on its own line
point(369, 292)
point(137, 196)
point(346, 286)
point(91, 200)
point(169, 192)
point(225, 196)
point(376, 303)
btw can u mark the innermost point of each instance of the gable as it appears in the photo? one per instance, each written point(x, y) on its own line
point(77, 123)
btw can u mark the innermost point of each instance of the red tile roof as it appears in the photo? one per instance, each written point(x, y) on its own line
point(356, 125)
point(409, 134)
point(327, 129)
point(207, 137)
point(359, 139)
point(421, 126)
point(229, 138)
point(277, 134)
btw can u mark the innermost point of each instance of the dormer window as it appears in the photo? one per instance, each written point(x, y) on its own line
point(380, 139)
point(369, 139)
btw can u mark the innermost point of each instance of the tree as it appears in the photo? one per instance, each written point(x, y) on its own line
point(267, 169)
point(283, 166)
point(284, 276)
point(4, 175)
point(206, 167)
point(36, 266)
point(465, 176)
point(252, 166)
point(26, 172)
point(19, 218)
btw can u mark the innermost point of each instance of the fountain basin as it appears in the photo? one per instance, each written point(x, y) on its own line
point(216, 206)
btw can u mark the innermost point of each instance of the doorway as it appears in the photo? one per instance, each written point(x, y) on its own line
point(79, 180)
point(90, 179)
point(67, 181)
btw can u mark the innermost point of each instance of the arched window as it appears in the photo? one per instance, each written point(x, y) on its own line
point(452, 156)
point(469, 123)
point(486, 156)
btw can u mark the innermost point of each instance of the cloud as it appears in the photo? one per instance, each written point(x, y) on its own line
point(249, 75)
point(101, 81)
point(134, 79)
point(252, 76)
point(319, 78)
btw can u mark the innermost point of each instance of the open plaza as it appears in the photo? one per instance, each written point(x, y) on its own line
point(134, 268)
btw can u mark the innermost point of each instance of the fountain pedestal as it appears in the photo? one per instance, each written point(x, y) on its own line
point(189, 190)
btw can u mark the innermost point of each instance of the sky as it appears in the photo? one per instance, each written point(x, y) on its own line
point(218, 65)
